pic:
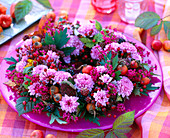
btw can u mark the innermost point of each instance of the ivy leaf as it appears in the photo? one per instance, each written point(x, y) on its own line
point(88, 42)
point(122, 123)
point(120, 135)
point(27, 69)
point(53, 118)
point(115, 62)
point(22, 8)
point(11, 67)
point(147, 20)
point(156, 29)
point(117, 74)
point(68, 50)
point(11, 59)
point(99, 38)
point(45, 3)
point(20, 107)
point(49, 40)
point(61, 38)
point(91, 133)
point(98, 26)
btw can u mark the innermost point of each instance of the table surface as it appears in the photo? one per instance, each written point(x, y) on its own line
point(153, 123)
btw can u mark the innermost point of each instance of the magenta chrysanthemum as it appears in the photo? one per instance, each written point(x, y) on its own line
point(106, 78)
point(67, 59)
point(101, 97)
point(124, 86)
point(53, 55)
point(61, 76)
point(69, 103)
point(96, 52)
point(38, 69)
point(20, 66)
point(84, 81)
point(33, 89)
point(101, 69)
point(45, 74)
point(75, 42)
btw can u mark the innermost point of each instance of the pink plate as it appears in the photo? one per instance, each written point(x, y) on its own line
point(138, 103)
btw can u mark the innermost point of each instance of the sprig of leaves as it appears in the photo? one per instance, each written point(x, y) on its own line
point(59, 40)
point(12, 66)
point(120, 126)
point(151, 20)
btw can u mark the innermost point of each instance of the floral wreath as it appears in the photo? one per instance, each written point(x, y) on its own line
point(70, 71)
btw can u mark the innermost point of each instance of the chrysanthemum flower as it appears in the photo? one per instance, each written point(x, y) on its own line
point(53, 55)
point(69, 103)
point(61, 76)
point(106, 78)
point(120, 35)
point(33, 89)
point(84, 81)
point(101, 69)
point(44, 75)
point(38, 69)
point(67, 59)
point(20, 66)
point(96, 52)
point(124, 86)
point(101, 97)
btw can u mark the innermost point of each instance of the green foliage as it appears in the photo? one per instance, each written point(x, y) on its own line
point(54, 117)
point(27, 70)
point(22, 8)
point(20, 107)
point(26, 85)
point(117, 74)
point(91, 118)
point(45, 3)
point(88, 42)
point(136, 91)
point(110, 135)
point(91, 133)
point(11, 59)
point(149, 20)
point(115, 62)
point(68, 50)
point(98, 38)
point(11, 67)
point(119, 98)
point(98, 26)
point(150, 87)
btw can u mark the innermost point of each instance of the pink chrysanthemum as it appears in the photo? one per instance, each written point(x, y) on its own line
point(20, 66)
point(96, 52)
point(124, 86)
point(69, 29)
point(113, 46)
point(61, 76)
point(53, 55)
point(38, 69)
point(84, 81)
point(44, 75)
point(33, 89)
point(106, 78)
point(23, 50)
point(101, 69)
point(75, 42)
point(101, 97)
point(67, 59)
point(87, 29)
point(69, 103)
point(120, 35)
point(24, 58)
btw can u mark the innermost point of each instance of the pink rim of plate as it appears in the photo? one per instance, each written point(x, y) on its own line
point(140, 103)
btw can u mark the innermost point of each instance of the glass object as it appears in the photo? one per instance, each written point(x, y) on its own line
point(104, 6)
point(129, 9)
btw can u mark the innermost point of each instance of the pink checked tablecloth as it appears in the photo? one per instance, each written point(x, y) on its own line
point(155, 122)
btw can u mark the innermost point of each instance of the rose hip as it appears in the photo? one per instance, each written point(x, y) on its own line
point(5, 21)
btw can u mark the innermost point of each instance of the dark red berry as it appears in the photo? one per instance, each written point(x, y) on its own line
point(108, 115)
point(24, 102)
point(34, 99)
point(141, 90)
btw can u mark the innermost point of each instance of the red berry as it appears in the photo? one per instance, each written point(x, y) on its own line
point(85, 56)
point(34, 99)
point(114, 116)
point(82, 50)
point(108, 95)
point(109, 115)
point(121, 54)
point(133, 64)
point(87, 69)
point(113, 107)
point(156, 45)
point(24, 102)
point(103, 109)
point(94, 40)
point(141, 90)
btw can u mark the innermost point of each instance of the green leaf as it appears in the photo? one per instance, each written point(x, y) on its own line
point(115, 62)
point(57, 113)
point(45, 3)
point(102, 63)
point(53, 118)
point(166, 26)
point(119, 98)
point(156, 29)
point(91, 133)
point(49, 40)
point(68, 50)
point(22, 8)
point(26, 86)
point(20, 107)
point(168, 34)
point(24, 93)
point(98, 26)
point(146, 67)
point(136, 91)
point(122, 123)
point(110, 135)
point(147, 20)
point(150, 87)
point(91, 118)
point(61, 38)
point(120, 135)
point(11, 67)
point(99, 38)
point(27, 69)
point(89, 45)
point(117, 74)
point(109, 55)
point(11, 59)
point(48, 114)
point(86, 40)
